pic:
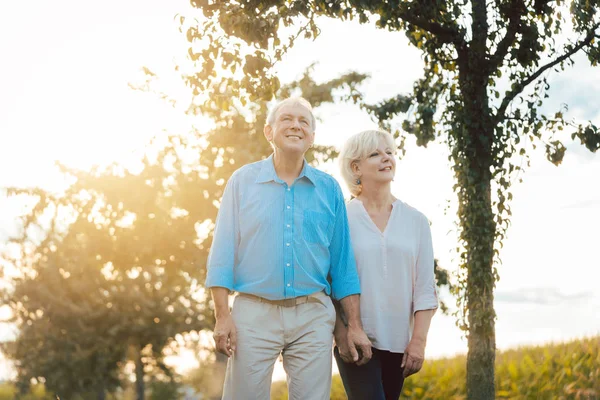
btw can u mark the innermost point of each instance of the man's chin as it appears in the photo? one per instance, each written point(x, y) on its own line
point(293, 150)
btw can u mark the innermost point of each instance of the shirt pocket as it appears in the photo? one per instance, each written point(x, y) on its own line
point(315, 227)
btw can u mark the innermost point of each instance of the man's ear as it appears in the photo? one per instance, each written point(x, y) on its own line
point(355, 168)
point(268, 132)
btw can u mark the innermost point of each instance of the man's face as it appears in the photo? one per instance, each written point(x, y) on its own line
point(292, 131)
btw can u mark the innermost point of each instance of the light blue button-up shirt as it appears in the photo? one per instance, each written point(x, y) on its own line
point(278, 241)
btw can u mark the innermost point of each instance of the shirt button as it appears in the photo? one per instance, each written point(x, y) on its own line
point(289, 284)
point(288, 225)
point(288, 207)
point(289, 189)
point(288, 264)
point(287, 244)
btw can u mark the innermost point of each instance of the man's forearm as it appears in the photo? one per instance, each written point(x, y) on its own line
point(340, 325)
point(422, 322)
point(351, 307)
point(220, 296)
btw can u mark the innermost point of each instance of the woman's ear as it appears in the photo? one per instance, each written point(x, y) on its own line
point(355, 168)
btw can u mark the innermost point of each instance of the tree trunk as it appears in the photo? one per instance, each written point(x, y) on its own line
point(101, 393)
point(479, 236)
point(139, 374)
point(473, 156)
point(478, 231)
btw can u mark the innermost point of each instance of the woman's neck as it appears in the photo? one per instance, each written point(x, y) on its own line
point(377, 197)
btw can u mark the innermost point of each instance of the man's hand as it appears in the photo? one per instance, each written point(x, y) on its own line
point(358, 342)
point(341, 341)
point(413, 358)
point(357, 338)
point(225, 335)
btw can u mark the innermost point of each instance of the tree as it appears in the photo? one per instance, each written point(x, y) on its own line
point(484, 81)
point(113, 272)
point(64, 337)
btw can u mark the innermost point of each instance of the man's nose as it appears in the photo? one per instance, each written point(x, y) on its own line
point(295, 123)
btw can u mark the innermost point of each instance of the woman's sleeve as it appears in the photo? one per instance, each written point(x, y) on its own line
point(424, 288)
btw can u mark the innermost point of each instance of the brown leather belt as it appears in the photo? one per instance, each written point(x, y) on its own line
point(296, 301)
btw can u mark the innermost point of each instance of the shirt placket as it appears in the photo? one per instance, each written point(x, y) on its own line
point(288, 251)
point(383, 249)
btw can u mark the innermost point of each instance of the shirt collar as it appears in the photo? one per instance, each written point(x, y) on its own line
point(267, 172)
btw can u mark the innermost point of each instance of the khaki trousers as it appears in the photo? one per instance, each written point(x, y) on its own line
point(302, 333)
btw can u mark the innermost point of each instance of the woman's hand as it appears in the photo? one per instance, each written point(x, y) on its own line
point(413, 358)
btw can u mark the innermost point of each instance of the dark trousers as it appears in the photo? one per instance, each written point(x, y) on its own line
point(379, 379)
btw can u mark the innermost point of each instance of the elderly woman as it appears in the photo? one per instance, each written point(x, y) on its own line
point(394, 255)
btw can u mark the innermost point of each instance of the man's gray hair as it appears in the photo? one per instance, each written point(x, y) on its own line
point(291, 101)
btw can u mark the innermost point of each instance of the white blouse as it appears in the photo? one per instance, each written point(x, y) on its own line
point(396, 272)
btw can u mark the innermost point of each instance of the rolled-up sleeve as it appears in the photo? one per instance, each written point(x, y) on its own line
point(425, 293)
point(343, 272)
point(222, 255)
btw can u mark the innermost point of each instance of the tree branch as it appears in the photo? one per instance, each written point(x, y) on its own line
point(520, 86)
point(447, 35)
point(516, 11)
point(444, 33)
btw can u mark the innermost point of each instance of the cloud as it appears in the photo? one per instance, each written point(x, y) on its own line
point(577, 87)
point(540, 295)
point(580, 152)
point(591, 203)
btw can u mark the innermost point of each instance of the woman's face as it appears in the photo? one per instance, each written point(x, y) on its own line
point(379, 166)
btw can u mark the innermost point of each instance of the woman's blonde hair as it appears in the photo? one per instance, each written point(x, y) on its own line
point(357, 148)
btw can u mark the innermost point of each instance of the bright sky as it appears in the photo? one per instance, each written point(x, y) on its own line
point(64, 95)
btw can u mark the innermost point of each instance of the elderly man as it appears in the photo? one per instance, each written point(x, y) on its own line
point(282, 242)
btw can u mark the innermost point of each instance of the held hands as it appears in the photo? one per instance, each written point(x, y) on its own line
point(341, 341)
point(358, 349)
point(413, 358)
point(225, 335)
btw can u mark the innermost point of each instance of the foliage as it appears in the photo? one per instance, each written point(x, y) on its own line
point(209, 377)
point(162, 390)
point(104, 275)
point(37, 392)
point(555, 371)
point(564, 371)
point(442, 278)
